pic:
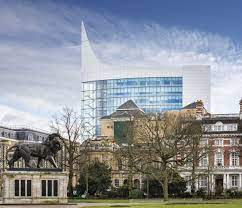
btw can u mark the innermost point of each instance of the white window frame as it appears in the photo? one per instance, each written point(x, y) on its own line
point(234, 141)
point(203, 181)
point(234, 159)
point(204, 161)
point(234, 180)
point(216, 159)
point(219, 142)
point(188, 180)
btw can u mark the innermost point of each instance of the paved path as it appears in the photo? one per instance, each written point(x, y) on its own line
point(66, 206)
point(39, 206)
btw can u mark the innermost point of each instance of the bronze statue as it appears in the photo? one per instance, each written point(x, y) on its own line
point(43, 151)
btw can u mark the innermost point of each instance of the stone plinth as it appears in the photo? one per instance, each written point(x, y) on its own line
point(26, 186)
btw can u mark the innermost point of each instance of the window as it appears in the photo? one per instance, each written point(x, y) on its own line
point(204, 142)
point(234, 159)
point(188, 180)
point(188, 162)
point(43, 187)
point(16, 187)
point(30, 137)
point(204, 161)
point(116, 182)
point(232, 127)
point(234, 181)
point(234, 141)
point(218, 126)
point(202, 182)
point(219, 142)
point(120, 165)
point(49, 187)
point(219, 159)
point(23, 188)
point(29, 187)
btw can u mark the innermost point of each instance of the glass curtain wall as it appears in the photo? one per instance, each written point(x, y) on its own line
point(152, 94)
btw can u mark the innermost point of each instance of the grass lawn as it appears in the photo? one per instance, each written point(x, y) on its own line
point(237, 203)
point(77, 200)
point(176, 206)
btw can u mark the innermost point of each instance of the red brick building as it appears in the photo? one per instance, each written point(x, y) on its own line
point(221, 168)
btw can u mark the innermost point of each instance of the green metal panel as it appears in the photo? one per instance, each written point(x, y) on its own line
point(122, 131)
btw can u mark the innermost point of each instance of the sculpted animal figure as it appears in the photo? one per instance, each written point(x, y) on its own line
point(43, 151)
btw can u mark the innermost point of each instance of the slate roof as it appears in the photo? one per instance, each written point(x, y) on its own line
point(127, 109)
point(128, 105)
point(190, 106)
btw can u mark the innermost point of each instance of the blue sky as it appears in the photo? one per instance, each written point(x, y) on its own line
point(40, 48)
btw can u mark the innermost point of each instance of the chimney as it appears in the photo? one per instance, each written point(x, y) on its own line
point(240, 109)
point(199, 108)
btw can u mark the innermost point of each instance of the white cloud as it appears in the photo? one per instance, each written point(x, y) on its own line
point(12, 117)
point(40, 56)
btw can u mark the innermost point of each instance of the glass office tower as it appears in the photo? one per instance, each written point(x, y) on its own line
point(105, 87)
point(152, 94)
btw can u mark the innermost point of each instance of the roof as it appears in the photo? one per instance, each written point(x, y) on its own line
point(127, 109)
point(128, 105)
point(190, 106)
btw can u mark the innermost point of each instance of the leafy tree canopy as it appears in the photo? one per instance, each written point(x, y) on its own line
point(99, 179)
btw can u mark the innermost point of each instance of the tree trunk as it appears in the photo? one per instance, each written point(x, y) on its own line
point(195, 163)
point(165, 186)
point(130, 181)
point(70, 187)
point(193, 182)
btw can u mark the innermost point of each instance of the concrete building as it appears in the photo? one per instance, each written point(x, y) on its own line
point(23, 133)
point(105, 87)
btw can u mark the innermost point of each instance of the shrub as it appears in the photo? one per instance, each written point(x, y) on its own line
point(201, 193)
point(186, 195)
point(136, 194)
point(113, 193)
point(123, 191)
point(233, 193)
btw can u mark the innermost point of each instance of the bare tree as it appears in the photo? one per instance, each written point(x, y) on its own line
point(162, 143)
point(199, 151)
point(125, 151)
point(69, 125)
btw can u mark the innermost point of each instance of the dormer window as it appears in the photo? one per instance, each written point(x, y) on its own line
point(219, 126)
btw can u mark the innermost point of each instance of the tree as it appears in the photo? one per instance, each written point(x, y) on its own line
point(69, 125)
point(125, 151)
point(177, 186)
point(99, 178)
point(199, 150)
point(162, 144)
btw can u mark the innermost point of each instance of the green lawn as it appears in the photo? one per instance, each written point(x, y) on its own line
point(175, 206)
point(98, 200)
point(237, 203)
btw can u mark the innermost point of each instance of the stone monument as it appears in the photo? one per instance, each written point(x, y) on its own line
point(38, 185)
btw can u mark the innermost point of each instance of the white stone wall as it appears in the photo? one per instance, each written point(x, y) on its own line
point(9, 178)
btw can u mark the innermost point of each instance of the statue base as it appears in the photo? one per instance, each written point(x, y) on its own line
point(26, 186)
